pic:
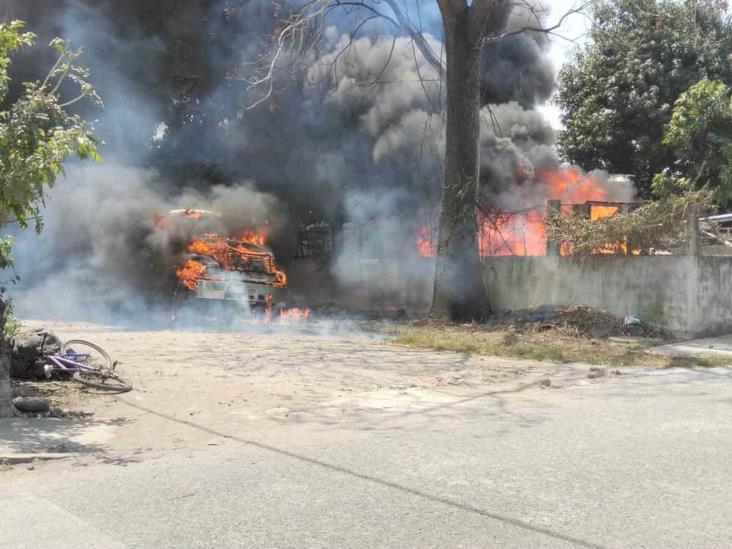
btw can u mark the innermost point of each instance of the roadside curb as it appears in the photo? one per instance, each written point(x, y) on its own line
point(15, 459)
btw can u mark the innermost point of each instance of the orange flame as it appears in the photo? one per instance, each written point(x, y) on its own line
point(244, 253)
point(572, 186)
point(295, 314)
point(425, 244)
point(190, 273)
point(524, 232)
point(252, 237)
point(603, 211)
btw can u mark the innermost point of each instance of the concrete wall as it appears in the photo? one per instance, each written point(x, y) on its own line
point(684, 295)
point(368, 286)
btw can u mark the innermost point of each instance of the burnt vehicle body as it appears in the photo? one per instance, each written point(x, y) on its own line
point(235, 270)
point(216, 267)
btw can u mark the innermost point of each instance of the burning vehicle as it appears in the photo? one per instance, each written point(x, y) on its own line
point(219, 266)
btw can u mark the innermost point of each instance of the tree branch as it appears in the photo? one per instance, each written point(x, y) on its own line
point(486, 22)
point(317, 10)
point(487, 16)
point(418, 36)
point(539, 28)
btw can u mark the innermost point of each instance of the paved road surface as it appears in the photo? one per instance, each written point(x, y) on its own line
point(638, 460)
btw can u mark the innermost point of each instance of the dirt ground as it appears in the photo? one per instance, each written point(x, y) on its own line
point(324, 375)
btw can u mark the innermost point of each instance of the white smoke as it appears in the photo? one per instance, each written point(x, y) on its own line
point(101, 255)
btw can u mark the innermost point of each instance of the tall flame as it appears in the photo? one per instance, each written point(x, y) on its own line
point(572, 186)
point(190, 273)
point(524, 232)
point(521, 233)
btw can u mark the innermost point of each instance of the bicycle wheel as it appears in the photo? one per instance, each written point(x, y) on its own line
point(104, 381)
point(98, 357)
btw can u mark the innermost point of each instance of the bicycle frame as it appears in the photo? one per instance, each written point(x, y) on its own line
point(62, 363)
point(77, 366)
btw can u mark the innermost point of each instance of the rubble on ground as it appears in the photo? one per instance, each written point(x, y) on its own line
point(43, 399)
point(596, 372)
point(27, 350)
point(580, 320)
point(31, 405)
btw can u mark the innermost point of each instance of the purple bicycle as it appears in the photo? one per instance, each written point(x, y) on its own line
point(87, 364)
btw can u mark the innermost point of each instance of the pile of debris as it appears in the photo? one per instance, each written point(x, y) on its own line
point(28, 351)
point(575, 320)
point(28, 348)
point(43, 400)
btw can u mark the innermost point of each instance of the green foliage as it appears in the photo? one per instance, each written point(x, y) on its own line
point(700, 137)
point(701, 115)
point(667, 184)
point(6, 245)
point(618, 92)
point(11, 39)
point(37, 133)
point(10, 325)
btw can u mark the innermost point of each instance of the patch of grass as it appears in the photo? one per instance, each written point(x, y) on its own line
point(486, 343)
point(550, 346)
point(537, 351)
point(442, 341)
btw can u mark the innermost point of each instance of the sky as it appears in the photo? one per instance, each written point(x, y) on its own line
point(574, 29)
point(572, 33)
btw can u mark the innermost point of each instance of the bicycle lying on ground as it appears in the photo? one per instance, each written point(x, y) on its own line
point(87, 364)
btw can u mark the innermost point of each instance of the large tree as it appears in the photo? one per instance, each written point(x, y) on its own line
point(700, 137)
point(37, 134)
point(618, 92)
point(468, 26)
point(459, 292)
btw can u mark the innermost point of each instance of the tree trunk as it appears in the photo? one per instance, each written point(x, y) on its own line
point(459, 291)
point(6, 399)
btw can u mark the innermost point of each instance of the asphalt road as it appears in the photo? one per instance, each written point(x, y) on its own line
point(630, 461)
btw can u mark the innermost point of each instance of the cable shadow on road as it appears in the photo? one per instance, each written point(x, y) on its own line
point(373, 479)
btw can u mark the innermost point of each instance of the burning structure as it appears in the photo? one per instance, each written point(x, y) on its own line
point(520, 228)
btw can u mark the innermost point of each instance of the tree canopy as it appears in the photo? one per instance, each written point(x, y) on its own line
point(618, 92)
point(37, 132)
point(699, 136)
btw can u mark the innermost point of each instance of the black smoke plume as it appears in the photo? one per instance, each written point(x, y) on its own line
point(353, 136)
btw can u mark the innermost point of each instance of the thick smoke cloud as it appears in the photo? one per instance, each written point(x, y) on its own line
point(409, 91)
point(403, 115)
point(103, 256)
point(516, 146)
point(353, 136)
